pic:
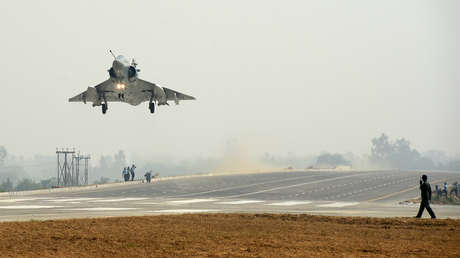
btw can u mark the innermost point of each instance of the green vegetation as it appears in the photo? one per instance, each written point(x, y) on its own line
point(27, 184)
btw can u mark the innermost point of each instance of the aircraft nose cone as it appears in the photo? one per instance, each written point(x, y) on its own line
point(117, 67)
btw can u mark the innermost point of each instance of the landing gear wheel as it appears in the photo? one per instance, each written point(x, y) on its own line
point(152, 107)
point(104, 108)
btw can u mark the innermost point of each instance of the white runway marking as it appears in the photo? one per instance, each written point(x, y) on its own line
point(241, 202)
point(73, 199)
point(191, 201)
point(245, 186)
point(185, 211)
point(100, 209)
point(28, 207)
point(289, 203)
point(294, 185)
point(120, 200)
point(20, 200)
point(338, 204)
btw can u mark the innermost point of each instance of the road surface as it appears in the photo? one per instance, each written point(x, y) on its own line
point(352, 193)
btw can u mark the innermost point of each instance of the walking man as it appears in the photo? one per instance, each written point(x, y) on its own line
point(425, 191)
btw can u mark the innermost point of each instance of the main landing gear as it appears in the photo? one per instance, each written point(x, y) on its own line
point(104, 108)
point(151, 103)
point(104, 105)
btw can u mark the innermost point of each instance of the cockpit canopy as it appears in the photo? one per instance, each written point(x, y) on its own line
point(123, 60)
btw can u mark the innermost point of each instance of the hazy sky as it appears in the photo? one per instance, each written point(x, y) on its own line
point(277, 76)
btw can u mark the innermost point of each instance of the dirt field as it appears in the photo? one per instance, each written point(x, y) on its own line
point(264, 235)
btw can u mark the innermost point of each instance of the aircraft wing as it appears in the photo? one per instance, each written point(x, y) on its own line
point(176, 96)
point(145, 86)
point(142, 91)
point(91, 94)
point(162, 94)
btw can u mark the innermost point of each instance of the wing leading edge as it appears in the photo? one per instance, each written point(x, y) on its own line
point(138, 92)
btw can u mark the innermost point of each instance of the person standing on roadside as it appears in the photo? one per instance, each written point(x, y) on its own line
point(132, 173)
point(438, 192)
point(123, 174)
point(425, 191)
point(455, 189)
point(127, 174)
point(446, 188)
point(148, 176)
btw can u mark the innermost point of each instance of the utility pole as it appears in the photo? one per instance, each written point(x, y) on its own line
point(64, 166)
point(76, 170)
point(68, 168)
point(84, 176)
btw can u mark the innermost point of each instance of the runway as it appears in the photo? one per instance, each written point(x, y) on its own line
point(353, 193)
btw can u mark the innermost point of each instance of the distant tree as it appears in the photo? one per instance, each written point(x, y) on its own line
point(120, 159)
point(105, 162)
point(14, 173)
point(331, 160)
point(381, 148)
point(6, 186)
point(48, 183)
point(438, 157)
point(398, 154)
point(27, 184)
point(3, 154)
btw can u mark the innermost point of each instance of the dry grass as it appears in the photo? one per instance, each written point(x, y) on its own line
point(261, 235)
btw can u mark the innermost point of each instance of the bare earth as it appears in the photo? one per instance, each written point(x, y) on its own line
point(259, 235)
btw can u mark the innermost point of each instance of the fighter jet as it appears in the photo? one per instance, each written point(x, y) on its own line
point(124, 85)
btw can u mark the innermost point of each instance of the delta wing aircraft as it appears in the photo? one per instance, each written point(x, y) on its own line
point(125, 86)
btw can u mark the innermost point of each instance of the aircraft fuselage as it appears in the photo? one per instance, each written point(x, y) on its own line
point(122, 73)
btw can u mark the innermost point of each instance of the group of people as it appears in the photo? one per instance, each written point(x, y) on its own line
point(425, 191)
point(127, 172)
point(445, 190)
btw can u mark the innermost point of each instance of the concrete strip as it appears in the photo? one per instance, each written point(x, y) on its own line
point(240, 202)
point(23, 207)
point(289, 203)
point(100, 209)
point(181, 211)
point(191, 201)
point(72, 199)
point(338, 204)
point(120, 200)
